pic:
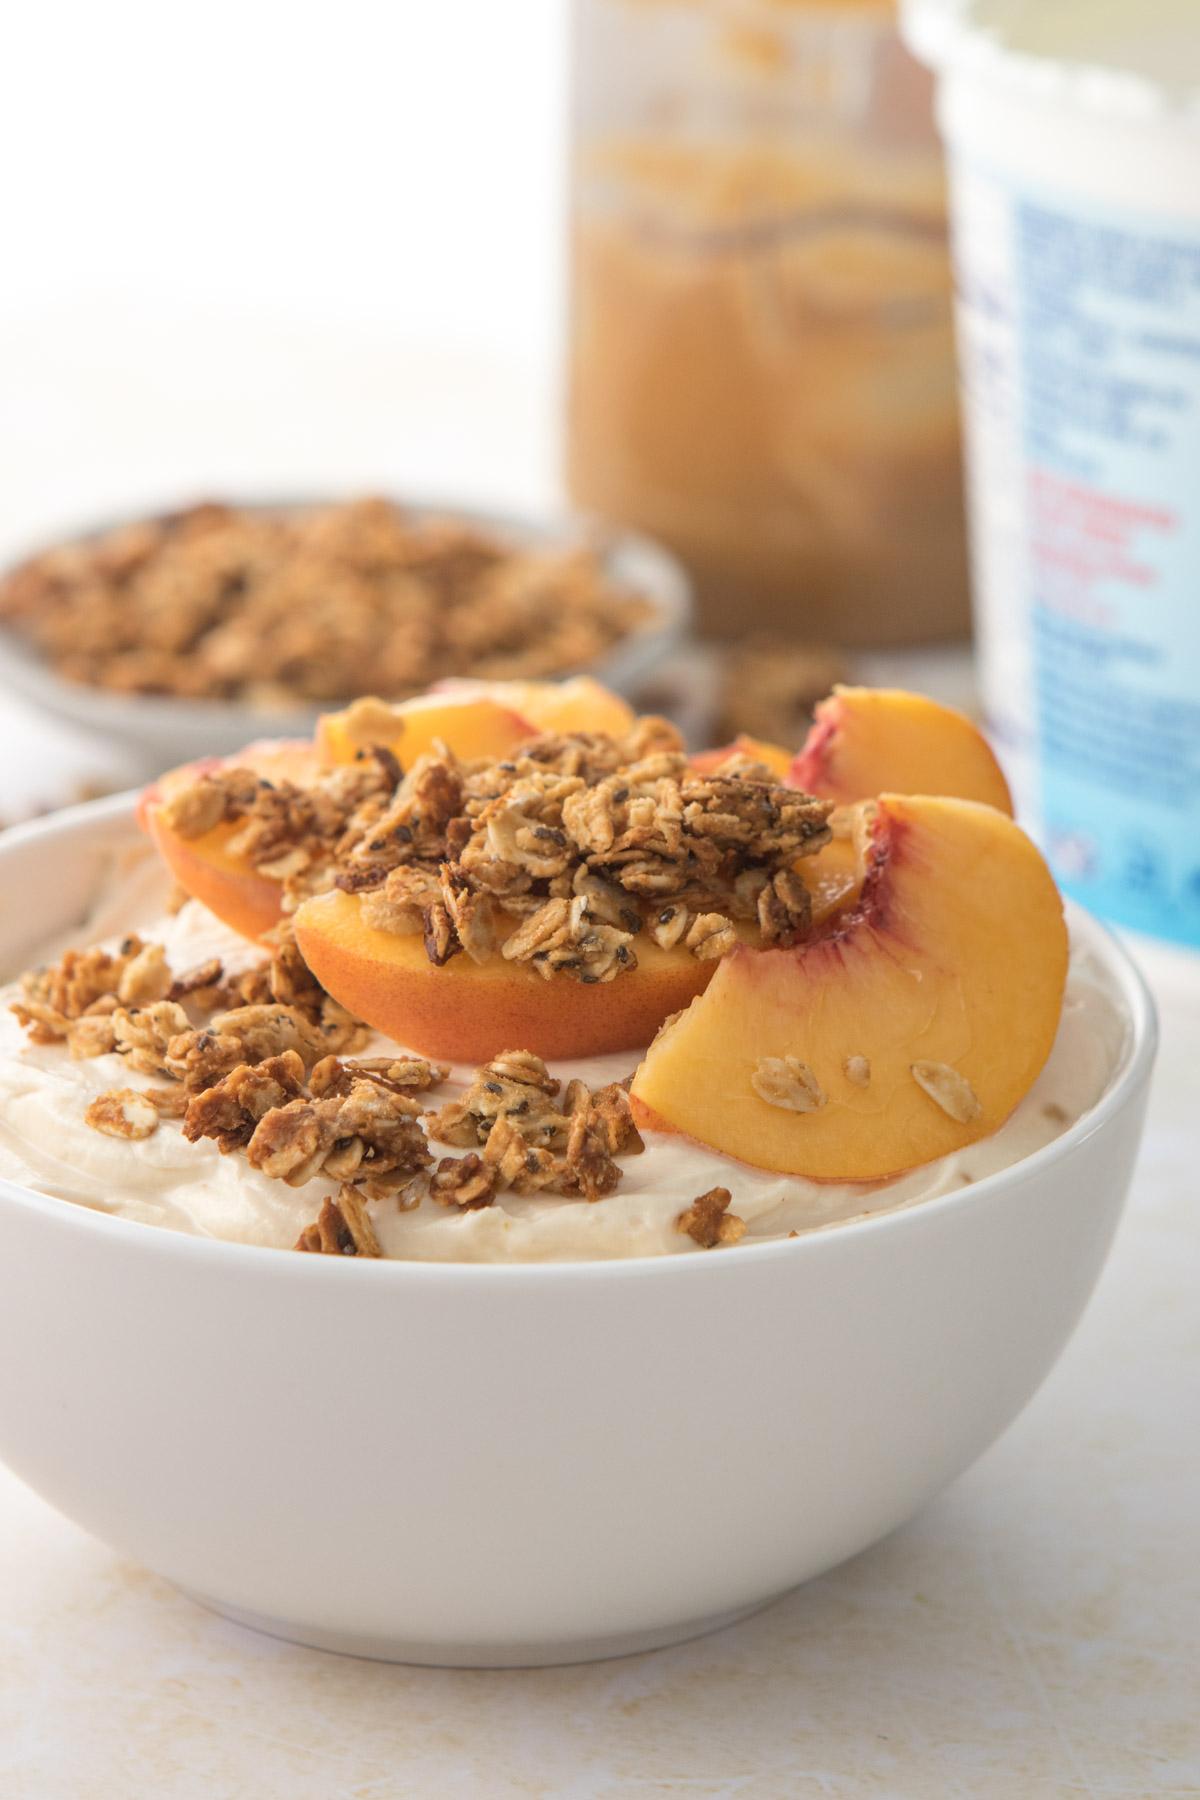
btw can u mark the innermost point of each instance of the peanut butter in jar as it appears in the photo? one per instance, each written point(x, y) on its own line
point(762, 359)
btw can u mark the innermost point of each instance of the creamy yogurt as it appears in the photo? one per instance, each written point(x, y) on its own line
point(164, 1180)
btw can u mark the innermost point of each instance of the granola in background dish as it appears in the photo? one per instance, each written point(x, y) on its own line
point(279, 607)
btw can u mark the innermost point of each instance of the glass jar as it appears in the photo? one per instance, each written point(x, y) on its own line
point(761, 365)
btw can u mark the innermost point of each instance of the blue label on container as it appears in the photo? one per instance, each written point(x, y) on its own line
point(1107, 324)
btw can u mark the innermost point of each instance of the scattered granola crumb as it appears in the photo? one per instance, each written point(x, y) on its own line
point(246, 1034)
point(858, 1070)
point(89, 984)
point(44, 1023)
point(122, 1113)
point(613, 1114)
point(1055, 1114)
point(521, 1066)
point(709, 1222)
point(402, 1075)
point(787, 1082)
point(145, 977)
point(710, 935)
point(669, 925)
point(950, 1090)
point(128, 1002)
point(196, 808)
point(784, 908)
point(199, 982)
point(341, 1228)
point(463, 1181)
point(408, 1196)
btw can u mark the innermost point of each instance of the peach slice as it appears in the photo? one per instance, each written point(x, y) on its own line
point(951, 965)
point(476, 718)
point(580, 704)
point(867, 740)
point(471, 724)
point(777, 759)
point(203, 867)
point(467, 1012)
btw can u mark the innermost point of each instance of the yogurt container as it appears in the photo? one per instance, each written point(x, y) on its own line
point(1073, 141)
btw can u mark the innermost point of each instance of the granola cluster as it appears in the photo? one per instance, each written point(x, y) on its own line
point(277, 608)
point(291, 834)
point(129, 1003)
point(522, 1131)
point(349, 1121)
point(76, 999)
point(561, 855)
point(274, 1077)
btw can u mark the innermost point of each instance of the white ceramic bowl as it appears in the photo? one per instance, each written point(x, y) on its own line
point(167, 730)
point(504, 1465)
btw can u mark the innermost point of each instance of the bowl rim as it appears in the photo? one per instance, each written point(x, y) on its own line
point(1125, 1086)
point(657, 571)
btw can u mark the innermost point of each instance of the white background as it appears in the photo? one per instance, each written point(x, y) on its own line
point(257, 243)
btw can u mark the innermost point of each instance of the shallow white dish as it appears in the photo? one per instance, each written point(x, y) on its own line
point(166, 730)
point(502, 1465)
